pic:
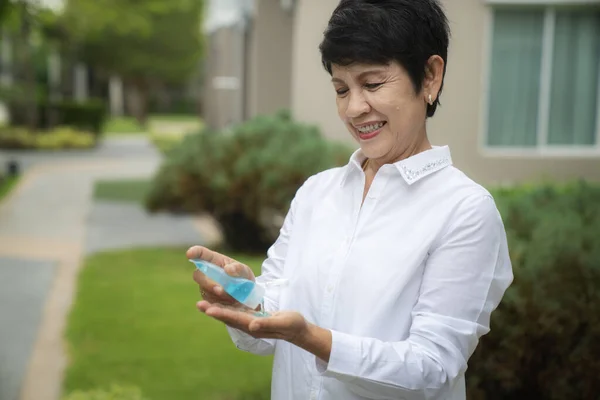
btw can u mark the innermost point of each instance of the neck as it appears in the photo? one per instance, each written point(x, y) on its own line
point(420, 144)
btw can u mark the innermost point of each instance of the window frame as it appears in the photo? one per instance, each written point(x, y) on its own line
point(542, 147)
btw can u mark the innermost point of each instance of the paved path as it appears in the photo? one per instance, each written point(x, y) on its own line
point(116, 225)
point(21, 304)
point(118, 148)
point(47, 225)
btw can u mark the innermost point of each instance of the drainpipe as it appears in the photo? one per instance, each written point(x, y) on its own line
point(244, 87)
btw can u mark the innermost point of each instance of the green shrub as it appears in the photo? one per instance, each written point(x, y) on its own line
point(115, 392)
point(62, 137)
point(545, 338)
point(165, 142)
point(88, 116)
point(245, 178)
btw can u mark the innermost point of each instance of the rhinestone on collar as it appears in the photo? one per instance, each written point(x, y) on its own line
point(414, 174)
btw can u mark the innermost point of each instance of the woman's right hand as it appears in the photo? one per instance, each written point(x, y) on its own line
point(209, 289)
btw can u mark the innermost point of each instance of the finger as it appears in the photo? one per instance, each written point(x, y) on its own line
point(210, 290)
point(204, 253)
point(203, 305)
point(238, 269)
point(230, 316)
point(271, 324)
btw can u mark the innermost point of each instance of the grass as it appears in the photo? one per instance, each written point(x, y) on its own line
point(131, 190)
point(127, 125)
point(7, 184)
point(120, 125)
point(134, 322)
point(174, 118)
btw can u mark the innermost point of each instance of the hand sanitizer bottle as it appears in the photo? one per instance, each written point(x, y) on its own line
point(247, 292)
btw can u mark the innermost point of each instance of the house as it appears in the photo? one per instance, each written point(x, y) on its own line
point(248, 66)
point(521, 97)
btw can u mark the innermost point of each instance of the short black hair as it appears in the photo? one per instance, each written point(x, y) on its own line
point(382, 31)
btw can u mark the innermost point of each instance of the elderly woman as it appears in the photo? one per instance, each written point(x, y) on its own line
point(395, 261)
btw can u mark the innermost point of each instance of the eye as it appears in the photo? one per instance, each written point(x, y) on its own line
point(341, 91)
point(372, 86)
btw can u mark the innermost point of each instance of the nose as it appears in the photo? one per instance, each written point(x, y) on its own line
point(357, 105)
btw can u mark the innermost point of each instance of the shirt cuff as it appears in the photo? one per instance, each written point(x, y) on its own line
point(248, 343)
point(342, 365)
point(238, 337)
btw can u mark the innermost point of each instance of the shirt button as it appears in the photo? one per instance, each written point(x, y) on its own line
point(313, 396)
point(329, 289)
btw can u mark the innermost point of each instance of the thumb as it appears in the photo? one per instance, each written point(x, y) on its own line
point(240, 270)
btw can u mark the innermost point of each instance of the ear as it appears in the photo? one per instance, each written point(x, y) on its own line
point(434, 75)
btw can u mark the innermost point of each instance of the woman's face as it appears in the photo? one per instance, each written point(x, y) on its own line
point(380, 108)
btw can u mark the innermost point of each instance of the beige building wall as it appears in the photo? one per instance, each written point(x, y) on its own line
point(269, 76)
point(259, 57)
point(222, 105)
point(457, 122)
point(313, 97)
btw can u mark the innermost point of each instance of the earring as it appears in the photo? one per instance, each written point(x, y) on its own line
point(430, 101)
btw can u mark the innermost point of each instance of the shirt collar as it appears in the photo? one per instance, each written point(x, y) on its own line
point(413, 168)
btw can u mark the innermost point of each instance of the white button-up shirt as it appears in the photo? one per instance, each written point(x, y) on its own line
point(405, 282)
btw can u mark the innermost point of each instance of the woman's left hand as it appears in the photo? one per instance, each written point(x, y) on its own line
point(284, 325)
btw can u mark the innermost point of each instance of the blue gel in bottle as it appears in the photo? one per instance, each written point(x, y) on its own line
point(243, 290)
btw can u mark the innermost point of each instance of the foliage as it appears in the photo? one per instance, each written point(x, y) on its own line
point(145, 42)
point(116, 392)
point(89, 115)
point(545, 336)
point(245, 178)
point(166, 142)
point(134, 39)
point(7, 183)
point(5, 10)
point(134, 322)
point(62, 137)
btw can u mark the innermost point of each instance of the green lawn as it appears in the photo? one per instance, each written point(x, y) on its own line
point(134, 323)
point(174, 118)
point(130, 190)
point(6, 185)
point(126, 125)
point(120, 125)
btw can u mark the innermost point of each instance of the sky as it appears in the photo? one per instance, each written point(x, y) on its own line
point(225, 12)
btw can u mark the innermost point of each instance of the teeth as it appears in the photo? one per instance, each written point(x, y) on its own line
point(370, 128)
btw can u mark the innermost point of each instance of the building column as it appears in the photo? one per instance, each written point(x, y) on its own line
point(115, 89)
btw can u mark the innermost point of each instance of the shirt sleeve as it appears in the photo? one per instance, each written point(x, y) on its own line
point(272, 268)
point(464, 280)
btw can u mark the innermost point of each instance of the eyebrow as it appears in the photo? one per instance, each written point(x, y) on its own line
point(361, 75)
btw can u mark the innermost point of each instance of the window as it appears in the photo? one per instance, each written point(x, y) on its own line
point(544, 87)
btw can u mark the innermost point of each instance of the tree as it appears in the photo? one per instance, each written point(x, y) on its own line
point(5, 6)
point(145, 42)
point(22, 21)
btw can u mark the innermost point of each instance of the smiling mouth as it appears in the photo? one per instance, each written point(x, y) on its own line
point(369, 131)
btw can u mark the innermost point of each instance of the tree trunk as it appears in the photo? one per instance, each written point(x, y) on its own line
point(137, 101)
point(29, 81)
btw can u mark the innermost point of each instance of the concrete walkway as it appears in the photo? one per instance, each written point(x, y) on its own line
point(47, 225)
